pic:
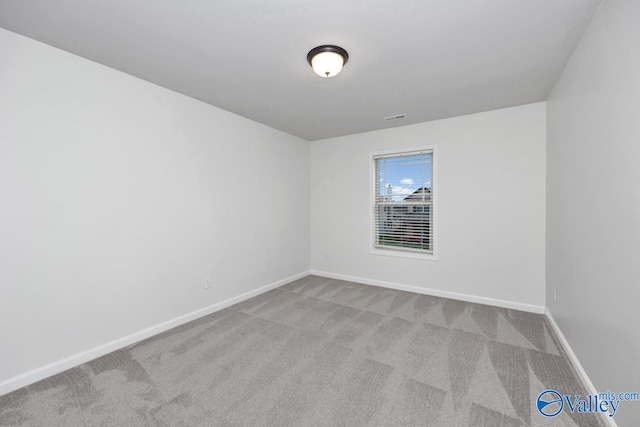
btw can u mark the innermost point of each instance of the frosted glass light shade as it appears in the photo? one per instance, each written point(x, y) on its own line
point(327, 60)
point(327, 64)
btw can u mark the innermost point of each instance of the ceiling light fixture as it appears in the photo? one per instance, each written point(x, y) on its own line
point(327, 60)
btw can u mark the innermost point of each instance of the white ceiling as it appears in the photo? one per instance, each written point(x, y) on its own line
point(429, 59)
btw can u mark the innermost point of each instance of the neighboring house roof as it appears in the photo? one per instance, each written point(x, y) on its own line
point(421, 194)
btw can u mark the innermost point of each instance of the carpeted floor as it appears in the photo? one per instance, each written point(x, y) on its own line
point(319, 352)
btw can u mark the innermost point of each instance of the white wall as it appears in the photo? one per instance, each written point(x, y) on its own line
point(593, 199)
point(117, 197)
point(491, 207)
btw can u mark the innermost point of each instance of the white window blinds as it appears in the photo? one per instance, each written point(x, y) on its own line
point(403, 201)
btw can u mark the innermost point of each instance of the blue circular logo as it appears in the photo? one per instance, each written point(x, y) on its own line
point(550, 403)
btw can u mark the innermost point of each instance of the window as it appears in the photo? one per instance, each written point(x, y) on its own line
point(403, 203)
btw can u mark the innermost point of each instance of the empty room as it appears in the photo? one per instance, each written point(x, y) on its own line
point(286, 213)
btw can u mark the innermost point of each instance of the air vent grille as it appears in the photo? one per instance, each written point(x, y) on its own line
point(395, 117)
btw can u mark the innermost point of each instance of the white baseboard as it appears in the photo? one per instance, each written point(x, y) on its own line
point(433, 292)
point(576, 363)
point(61, 365)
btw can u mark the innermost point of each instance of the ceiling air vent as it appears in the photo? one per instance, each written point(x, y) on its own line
point(395, 117)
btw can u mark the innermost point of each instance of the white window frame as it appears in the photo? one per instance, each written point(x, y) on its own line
point(403, 253)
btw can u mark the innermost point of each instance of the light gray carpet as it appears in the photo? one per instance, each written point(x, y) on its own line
point(319, 352)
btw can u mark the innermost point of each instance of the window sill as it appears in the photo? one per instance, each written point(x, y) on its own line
point(403, 254)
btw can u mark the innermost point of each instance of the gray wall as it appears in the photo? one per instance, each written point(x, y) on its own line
point(593, 202)
point(118, 198)
point(491, 208)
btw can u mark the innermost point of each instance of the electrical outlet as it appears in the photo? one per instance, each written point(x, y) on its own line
point(207, 282)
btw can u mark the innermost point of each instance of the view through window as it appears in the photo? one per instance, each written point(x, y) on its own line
point(403, 201)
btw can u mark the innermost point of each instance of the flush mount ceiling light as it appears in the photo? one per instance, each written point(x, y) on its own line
point(327, 60)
